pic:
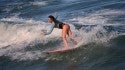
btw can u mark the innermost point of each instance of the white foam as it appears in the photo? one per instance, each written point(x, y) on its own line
point(28, 31)
point(38, 3)
point(19, 36)
point(19, 20)
point(94, 36)
point(97, 17)
point(27, 55)
point(15, 37)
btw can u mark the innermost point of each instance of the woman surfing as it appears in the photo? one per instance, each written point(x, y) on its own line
point(65, 29)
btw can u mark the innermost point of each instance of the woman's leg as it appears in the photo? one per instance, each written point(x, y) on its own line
point(64, 33)
point(70, 35)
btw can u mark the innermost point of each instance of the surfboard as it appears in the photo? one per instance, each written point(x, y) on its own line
point(61, 50)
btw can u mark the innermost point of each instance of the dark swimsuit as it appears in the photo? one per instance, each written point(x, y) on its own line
point(56, 24)
point(59, 24)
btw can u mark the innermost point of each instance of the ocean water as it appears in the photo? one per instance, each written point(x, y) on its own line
point(98, 25)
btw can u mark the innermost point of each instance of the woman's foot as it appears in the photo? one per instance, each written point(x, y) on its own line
point(66, 47)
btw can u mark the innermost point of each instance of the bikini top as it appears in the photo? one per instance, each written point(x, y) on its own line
point(58, 24)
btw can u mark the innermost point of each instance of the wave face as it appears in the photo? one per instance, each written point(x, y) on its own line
point(99, 26)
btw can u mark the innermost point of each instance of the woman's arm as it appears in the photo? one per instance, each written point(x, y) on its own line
point(51, 29)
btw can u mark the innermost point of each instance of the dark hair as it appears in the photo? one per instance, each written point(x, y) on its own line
point(52, 17)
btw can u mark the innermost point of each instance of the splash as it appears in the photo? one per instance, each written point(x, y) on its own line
point(24, 33)
point(21, 33)
point(38, 3)
point(101, 17)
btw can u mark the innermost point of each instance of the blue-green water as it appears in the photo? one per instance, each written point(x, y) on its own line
point(99, 26)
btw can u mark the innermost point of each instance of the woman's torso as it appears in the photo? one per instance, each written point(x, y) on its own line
point(58, 24)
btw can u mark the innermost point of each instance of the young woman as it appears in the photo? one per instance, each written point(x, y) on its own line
point(65, 28)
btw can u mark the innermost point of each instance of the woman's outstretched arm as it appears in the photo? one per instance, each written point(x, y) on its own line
point(50, 30)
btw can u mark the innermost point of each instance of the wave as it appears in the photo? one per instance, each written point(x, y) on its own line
point(98, 25)
point(20, 38)
point(92, 23)
point(24, 42)
point(99, 17)
point(91, 54)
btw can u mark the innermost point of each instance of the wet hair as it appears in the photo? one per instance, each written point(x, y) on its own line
point(52, 17)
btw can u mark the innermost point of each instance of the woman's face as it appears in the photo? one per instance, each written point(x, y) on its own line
point(50, 20)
